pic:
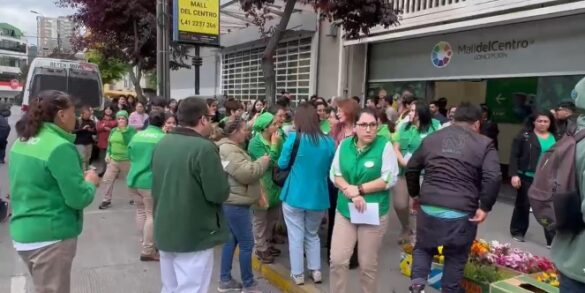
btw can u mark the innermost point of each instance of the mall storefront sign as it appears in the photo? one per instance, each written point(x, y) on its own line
point(551, 47)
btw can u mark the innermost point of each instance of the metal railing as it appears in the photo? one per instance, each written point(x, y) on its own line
point(421, 13)
point(412, 6)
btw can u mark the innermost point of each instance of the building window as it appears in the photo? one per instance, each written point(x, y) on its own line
point(243, 78)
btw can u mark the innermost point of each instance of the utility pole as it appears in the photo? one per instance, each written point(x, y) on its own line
point(162, 49)
point(197, 62)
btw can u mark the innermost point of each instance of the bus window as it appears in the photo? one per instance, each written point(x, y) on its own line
point(48, 79)
point(84, 88)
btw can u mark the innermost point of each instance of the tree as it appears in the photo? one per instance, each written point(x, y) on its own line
point(123, 30)
point(356, 17)
point(111, 69)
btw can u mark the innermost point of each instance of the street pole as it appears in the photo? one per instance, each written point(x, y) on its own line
point(167, 48)
point(197, 62)
point(159, 48)
point(162, 49)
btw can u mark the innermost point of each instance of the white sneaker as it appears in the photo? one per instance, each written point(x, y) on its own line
point(298, 279)
point(317, 277)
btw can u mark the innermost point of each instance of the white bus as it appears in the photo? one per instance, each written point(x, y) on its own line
point(13, 56)
point(81, 80)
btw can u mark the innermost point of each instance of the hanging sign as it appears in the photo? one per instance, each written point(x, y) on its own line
point(196, 22)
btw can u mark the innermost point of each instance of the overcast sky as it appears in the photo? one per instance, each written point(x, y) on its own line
point(17, 13)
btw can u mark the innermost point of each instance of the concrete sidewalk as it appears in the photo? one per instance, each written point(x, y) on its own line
point(389, 277)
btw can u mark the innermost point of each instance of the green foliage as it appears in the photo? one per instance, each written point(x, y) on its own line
point(111, 69)
point(485, 274)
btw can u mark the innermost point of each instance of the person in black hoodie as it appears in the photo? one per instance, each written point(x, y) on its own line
point(85, 129)
point(534, 140)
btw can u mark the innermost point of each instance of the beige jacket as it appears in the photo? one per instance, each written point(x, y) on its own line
point(244, 174)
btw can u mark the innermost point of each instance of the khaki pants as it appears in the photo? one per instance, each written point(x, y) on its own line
point(50, 266)
point(85, 153)
point(345, 236)
point(401, 202)
point(263, 225)
point(114, 170)
point(144, 206)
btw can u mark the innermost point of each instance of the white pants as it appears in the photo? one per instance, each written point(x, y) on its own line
point(186, 272)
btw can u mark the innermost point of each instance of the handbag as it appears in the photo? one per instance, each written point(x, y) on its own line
point(279, 175)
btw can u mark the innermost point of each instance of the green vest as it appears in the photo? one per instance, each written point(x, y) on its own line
point(359, 167)
point(140, 152)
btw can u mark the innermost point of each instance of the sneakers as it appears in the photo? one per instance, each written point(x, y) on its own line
point(298, 279)
point(317, 277)
point(104, 205)
point(518, 238)
point(252, 289)
point(265, 257)
point(230, 286)
point(417, 289)
point(152, 257)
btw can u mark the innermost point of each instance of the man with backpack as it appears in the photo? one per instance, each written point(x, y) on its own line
point(568, 249)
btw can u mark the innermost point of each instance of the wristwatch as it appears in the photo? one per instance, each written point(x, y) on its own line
point(361, 190)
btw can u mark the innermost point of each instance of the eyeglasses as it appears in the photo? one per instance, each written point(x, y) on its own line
point(367, 125)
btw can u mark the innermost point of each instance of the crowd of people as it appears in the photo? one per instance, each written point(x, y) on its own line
point(199, 179)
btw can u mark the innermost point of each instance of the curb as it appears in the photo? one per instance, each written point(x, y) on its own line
point(278, 276)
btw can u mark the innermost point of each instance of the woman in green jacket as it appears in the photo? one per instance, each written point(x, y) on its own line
point(407, 139)
point(117, 157)
point(48, 191)
point(267, 141)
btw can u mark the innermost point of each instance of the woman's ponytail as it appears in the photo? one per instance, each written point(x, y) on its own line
point(44, 108)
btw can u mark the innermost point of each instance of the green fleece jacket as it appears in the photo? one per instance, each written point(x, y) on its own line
point(140, 152)
point(47, 190)
point(257, 148)
point(189, 186)
point(118, 143)
point(568, 249)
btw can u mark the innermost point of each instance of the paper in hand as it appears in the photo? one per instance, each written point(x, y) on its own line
point(371, 216)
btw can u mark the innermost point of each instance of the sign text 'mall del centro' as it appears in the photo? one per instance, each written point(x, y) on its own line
point(197, 22)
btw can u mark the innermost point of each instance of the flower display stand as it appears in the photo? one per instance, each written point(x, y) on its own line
point(522, 284)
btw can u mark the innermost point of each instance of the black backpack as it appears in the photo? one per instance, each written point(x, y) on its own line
point(554, 195)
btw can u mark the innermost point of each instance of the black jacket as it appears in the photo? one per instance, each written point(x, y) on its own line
point(4, 128)
point(84, 136)
point(462, 170)
point(490, 129)
point(525, 153)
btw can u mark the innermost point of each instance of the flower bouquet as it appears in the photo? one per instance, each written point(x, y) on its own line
point(551, 278)
point(503, 255)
